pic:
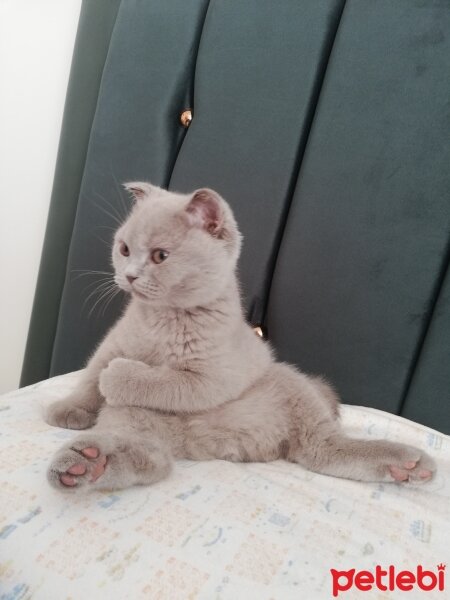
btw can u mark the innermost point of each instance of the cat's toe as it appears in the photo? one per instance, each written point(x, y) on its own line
point(90, 452)
point(77, 469)
point(68, 480)
point(397, 473)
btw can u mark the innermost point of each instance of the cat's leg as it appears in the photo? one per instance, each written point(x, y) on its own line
point(257, 426)
point(319, 443)
point(103, 460)
point(290, 415)
point(113, 455)
point(79, 409)
point(363, 460)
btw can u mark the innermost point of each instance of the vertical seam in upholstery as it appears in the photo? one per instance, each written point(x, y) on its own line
point(301, 149)
point(81, 186)
point(191, 93)
point(443, 274)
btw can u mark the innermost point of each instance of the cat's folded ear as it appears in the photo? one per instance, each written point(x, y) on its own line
point(206, 211)
point(140, 190)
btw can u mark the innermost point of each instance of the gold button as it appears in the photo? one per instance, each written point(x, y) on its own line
point(259, 331)
point(186, 117)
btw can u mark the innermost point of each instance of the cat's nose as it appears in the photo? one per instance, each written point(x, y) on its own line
point(131, 279)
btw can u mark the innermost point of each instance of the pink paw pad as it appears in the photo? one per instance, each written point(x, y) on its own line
point(90, 452)
point(425, 474)
point(77, 470)
point(410, 471)
point(398, 474)
point(99, 468)
point(69, 478)
point(411, 464)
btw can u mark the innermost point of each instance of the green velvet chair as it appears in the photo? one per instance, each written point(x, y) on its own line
point(325, 124)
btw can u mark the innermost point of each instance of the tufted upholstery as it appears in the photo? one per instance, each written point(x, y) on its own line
point(325, 125)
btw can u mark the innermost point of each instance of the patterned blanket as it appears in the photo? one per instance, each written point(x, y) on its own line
point(213, 530)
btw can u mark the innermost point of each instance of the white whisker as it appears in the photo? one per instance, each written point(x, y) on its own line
point(109, 214)
point(100, 289)
point(102, 296)
point(111, 206)
point(119, 192)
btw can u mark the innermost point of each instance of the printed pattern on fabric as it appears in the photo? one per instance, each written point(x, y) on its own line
point(213, 530)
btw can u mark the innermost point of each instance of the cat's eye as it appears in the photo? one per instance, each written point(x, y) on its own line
point(123, 249)
point(159, 255)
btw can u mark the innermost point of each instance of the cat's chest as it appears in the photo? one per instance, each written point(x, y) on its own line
point(173, 343)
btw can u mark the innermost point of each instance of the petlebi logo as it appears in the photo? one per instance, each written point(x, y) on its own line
point(388, 579)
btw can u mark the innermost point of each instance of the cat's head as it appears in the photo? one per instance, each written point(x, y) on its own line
point(176, 250)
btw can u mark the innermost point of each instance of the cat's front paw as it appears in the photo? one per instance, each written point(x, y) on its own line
point(66, 413)
point(118, 379)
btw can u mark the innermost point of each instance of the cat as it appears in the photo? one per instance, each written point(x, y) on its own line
point(181, 374)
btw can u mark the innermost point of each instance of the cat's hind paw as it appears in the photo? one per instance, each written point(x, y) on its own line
point(415, 469)
point(76, 467)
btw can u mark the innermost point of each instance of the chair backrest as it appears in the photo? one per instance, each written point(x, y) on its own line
point(325, 125)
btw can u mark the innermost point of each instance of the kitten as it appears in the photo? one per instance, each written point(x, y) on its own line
point(182, 375)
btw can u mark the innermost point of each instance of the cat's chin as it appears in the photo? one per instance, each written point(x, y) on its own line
point(147, 300)
point(139, 296)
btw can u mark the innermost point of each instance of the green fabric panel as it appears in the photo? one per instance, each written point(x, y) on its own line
point(258, 74)
point(366, 240)
point(135, 135)
point(428, 400)
point(91, 47)
point(368, 228)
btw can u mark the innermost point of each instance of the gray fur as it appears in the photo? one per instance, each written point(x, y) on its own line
point(182, 375)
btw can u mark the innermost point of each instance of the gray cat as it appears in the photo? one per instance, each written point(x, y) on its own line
point(182, 375)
